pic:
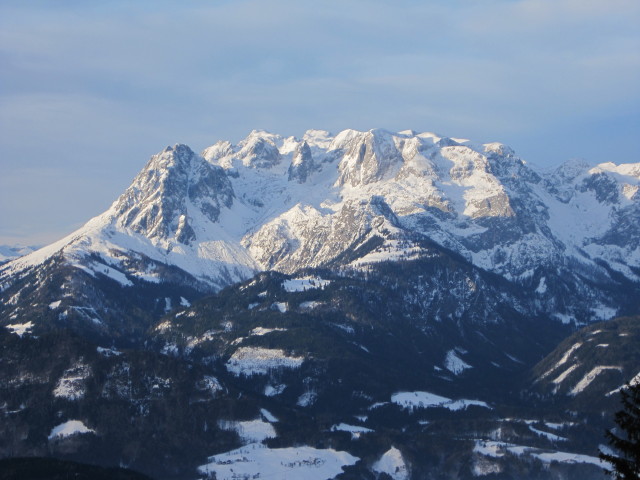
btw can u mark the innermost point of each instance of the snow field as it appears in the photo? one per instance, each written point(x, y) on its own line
point(20, 328)
point(68, 428)
point(392, 464)
point(304, 283)
point(415, 400)
point(250, 431)
point(250, 361)
point(258, 461)
point(354, 430)
point(498, 449)
point(590, 377)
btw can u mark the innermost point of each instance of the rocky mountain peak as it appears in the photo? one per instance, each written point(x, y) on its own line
point(259, 150)
point(368, 157)
point(174, 185)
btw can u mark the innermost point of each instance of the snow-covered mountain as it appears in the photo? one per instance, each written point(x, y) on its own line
point(569, 236)
point(384, 289)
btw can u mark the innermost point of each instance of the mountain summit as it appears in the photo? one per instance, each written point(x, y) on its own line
point(366, 304)
point(569, 237)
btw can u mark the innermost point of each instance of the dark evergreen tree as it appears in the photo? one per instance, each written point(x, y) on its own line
point(626, 464)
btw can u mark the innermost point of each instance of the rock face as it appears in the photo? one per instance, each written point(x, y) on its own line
point(568, 237)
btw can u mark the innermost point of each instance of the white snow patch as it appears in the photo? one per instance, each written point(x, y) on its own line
point(210, 384)
point(71, 385)
point(250, 431)
point(564, 318)
point(273, 390)
point(20, 328)
point(184, 302)
point(392, 464)
point(280, 306)
point(590, 377)
point(566, 457)
point(551, 436)
point(263, 331)
point(108, 352)
point(304, 283)
point(542, 286)
point(634, 381)
point(455, 364)
point(93, 268)
point(562, 361)
point(307, 398)
point(68, 428)
point(310, 305)
point(164, 326)
point(561, 378)
point(268, 415)
point(413, 400)
point(498, 449)
point(259, 361)
point(54, 305)
point(354, 430)
point(463, 404)
point(258, 461)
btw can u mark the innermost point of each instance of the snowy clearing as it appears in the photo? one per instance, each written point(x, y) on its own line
point(551, 436)
point(108, 352)
point(309, 305)
point(259, 361)
point(20, 328)
point(258, 461)
point(455, 364)
point(263, 331)
point(392, 464)
point(590, 377)
point(498, 449)
point(273, 390)
point(304, 283)
point(269, 417)
point(354, 430)
point(71, 385)
point(282, 307)
point(66, 429)
point(54, 305)
point(413, 400)
point(250, 431)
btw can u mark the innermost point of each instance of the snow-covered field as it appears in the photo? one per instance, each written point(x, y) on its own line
point(258, 461)
point(68, 428)
point(20, 328)
point(355, 430)
point(304, 283)
point(414, 400)
point(250, 431)
point(250, 361)
point(392, 463)
point(499, 449)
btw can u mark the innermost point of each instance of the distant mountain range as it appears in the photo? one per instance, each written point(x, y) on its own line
point(11, 252)
point(372, 291)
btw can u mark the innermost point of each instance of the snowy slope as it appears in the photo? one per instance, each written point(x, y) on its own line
point(356, 198)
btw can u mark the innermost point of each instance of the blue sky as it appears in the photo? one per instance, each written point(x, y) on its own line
point(90, 90)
